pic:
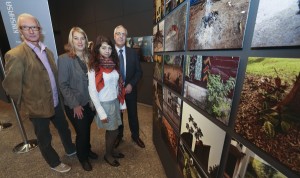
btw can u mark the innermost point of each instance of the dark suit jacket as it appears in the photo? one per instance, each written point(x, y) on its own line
point(133, 72)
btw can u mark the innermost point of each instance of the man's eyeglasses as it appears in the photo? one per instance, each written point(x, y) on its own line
point(120, 34)
point(27, 28)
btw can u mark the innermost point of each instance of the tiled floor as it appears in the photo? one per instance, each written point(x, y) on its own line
point(138, 162)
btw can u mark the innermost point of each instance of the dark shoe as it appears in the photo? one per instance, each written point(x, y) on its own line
point(139, 142)
point(117, 142)
point(93, 155)
point(118, 155)
point(86, 165)
point(115, 163)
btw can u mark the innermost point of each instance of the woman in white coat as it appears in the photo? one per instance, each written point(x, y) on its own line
point(106, 88)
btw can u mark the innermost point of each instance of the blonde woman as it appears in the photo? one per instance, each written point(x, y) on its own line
point(73, 83)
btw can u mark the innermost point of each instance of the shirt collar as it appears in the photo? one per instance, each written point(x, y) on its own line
point(118, 49)
point(43, 47)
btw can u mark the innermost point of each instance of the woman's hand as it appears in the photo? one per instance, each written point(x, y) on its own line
point(78, 112)
point(104, 120)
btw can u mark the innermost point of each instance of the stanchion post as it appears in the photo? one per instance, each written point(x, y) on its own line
point(27, 145)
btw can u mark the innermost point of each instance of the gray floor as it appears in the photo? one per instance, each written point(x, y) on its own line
point(138, 162)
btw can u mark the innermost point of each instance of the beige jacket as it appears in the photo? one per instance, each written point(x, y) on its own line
point(27, 81)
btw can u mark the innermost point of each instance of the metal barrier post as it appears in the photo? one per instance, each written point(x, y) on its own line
point(27, 145)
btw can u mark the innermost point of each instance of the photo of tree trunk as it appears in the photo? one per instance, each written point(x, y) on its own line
point(269, 109)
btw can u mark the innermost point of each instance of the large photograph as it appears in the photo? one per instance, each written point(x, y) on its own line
point(210, 82)
point(217, 24)
point(157, 94)
point(158, 67)
point(188, 165)
point(170, 137)
point(173, 72)
point(158, 37)
point(242, 162)
point(143, 46)
point(277, 24)
point(171, 4)
point(175, 26)
point(157, 121)
point(203, 138)
point(158, 10)
point(172, 107)
point(269, 109)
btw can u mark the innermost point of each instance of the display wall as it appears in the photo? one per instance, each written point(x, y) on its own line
point(226, 87)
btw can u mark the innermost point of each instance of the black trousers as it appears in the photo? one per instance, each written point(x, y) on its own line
point(132, 119)
point(44, 137)
point(83, 130)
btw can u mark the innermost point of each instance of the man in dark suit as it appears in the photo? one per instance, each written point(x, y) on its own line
point(131, 72)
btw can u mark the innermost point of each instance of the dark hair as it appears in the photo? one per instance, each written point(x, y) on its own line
point(94, 61)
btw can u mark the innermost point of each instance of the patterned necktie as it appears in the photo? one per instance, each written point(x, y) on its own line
point(122, 67)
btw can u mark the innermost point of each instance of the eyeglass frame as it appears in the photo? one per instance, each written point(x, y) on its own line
point(119, 34)
point(33, 28)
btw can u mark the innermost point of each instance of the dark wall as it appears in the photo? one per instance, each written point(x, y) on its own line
point(4, 47)
point(101, 17)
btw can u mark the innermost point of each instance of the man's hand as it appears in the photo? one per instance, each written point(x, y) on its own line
point(128, 89)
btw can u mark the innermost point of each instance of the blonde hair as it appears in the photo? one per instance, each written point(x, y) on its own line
point(69, 47)
point(26, 15)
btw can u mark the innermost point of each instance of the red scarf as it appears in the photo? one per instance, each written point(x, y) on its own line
point(107, 65)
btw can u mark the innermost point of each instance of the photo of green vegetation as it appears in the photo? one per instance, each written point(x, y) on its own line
point(269, 108)
point(258, 168)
